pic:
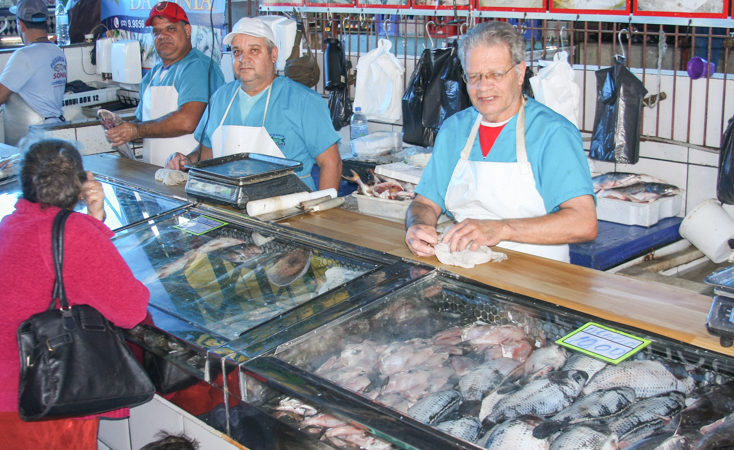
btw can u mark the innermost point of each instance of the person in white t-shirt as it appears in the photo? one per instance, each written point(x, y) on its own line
point(33, 81)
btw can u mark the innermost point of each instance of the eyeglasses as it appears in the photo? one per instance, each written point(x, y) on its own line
point(473, 79)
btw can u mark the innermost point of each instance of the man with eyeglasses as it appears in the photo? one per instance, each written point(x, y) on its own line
point(174, 93)
point(512, 172)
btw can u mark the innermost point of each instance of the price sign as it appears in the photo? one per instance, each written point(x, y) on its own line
point(200, 225)
point(603, 342)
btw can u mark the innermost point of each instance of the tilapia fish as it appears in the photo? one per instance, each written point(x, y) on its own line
point(108, 119)
point(583, 437)
point(597, 405)
point(434, 407)
point(513, 434)
point(647, 378)
point(466, 428)
point(579, 361)
point(646, 416)
point(475, 384)
point(541, 397)
point(640, 192)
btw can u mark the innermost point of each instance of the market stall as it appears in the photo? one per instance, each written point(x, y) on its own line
point(265, 335)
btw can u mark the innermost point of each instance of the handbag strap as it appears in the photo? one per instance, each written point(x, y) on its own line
point(57, 248)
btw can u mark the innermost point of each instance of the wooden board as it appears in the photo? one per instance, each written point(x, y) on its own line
point(651, 306)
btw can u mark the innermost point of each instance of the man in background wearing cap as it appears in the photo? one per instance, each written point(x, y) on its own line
point(33, 81)
point(262, 113)
point(174, 94)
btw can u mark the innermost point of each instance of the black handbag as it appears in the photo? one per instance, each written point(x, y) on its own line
point(73, 362)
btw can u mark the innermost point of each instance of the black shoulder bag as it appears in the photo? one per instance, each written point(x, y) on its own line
point(73, 362)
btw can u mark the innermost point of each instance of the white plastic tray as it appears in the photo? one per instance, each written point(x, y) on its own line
point(642, 214)
point(381, 207)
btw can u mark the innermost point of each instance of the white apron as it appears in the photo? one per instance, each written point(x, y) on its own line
point(499, 190)
point(233, 139)
point(157, 102)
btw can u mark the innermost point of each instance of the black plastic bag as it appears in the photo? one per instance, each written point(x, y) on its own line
point(413, 130)
point(335, 65)
point(448, 86)
point(617, 120)
point(725, 180)
point(84, 17)
point(340, 107)
point(436, 91)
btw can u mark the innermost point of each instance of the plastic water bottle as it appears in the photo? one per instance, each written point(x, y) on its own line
point(62, 24)
point(358, 124)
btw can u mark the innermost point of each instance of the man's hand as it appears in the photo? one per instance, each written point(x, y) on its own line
point(472, 233)
point(125, 132)
point(93, 195)
point(177, 161)
point(421, 239)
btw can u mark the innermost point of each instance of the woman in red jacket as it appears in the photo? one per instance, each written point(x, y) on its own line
point(52, 177)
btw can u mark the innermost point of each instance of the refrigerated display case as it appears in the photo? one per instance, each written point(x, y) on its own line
point(223, 283)
point(448, 362)
point(124, 205)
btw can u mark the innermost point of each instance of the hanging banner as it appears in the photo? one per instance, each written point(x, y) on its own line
point(126, 19)
point(591, 6)
point(682, 8)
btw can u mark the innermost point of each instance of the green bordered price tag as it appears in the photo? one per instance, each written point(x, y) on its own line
point(200, 225)
point(603, 342)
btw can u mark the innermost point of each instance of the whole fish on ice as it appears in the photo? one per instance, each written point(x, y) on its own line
point(640, 192)
point(541, 397)
point(597, 405)
point(579, 361)
point(583, 437)
point(647, 378)
point(613, 180)
point(646, 416)
point(180, 263)
point(466, 428)
point(434, 407)
point(516, 433)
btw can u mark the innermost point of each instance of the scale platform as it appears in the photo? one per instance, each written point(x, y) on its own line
point(237, 179)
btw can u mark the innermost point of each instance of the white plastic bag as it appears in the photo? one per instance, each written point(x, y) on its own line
point(379, 90)
point(555, 87)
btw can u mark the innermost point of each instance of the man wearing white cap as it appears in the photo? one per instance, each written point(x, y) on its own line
point(33, 81)
point(262, 113)
point(174, 94)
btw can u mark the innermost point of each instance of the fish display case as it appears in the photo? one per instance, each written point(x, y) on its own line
point(448, 363)
point(222, 284)
point(124, 205)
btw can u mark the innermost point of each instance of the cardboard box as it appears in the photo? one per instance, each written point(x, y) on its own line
point(642, 214)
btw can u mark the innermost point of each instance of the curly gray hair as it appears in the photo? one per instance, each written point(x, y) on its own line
point(493, 33)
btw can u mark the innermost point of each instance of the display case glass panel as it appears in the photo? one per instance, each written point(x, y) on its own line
point(474, 362)
point(123, 205)
point(228, 279)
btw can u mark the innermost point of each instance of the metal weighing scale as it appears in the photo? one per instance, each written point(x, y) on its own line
point(237, 179)
point(720, 321)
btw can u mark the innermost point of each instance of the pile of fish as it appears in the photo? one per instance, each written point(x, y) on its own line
point(498, 387)
point(383, 187)
point(633, 187)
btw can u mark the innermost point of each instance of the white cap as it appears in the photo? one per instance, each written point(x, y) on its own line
point(251, 26)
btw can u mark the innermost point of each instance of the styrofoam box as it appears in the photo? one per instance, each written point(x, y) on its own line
point(95, 97)
point(400, 171)
point(381, 207)
point(643, 214)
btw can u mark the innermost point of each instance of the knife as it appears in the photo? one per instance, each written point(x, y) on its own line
point(319, 204)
